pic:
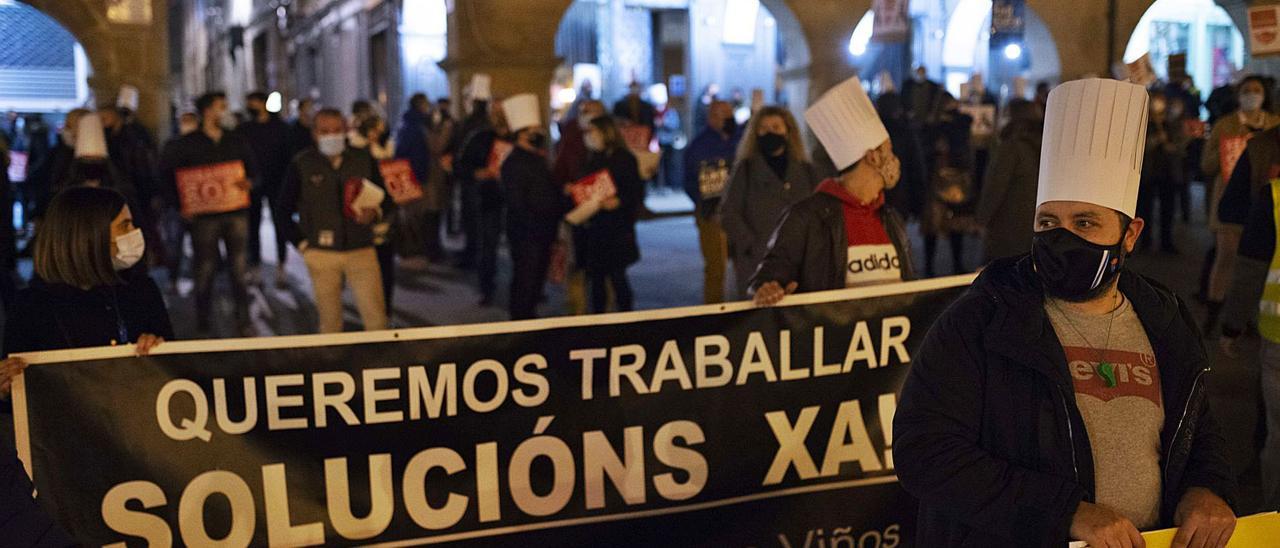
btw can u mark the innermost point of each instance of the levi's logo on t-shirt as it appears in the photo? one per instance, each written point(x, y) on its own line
point(872, 264)
point(1127, 374)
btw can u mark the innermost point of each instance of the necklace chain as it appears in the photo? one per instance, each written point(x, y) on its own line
point(1102, 367)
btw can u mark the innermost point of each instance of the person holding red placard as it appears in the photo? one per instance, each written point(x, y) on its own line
point(608, 239)
point(227, 224)
point(334, 232)
point(478, 168)
point(1227, 141)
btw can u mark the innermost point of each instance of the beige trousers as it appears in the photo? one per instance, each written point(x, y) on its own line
point(362, 273)
point(715, 256)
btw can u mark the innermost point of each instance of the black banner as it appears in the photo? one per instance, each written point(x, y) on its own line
point(716, 425)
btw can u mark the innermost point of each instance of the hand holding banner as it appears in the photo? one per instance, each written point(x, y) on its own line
point(212, 188)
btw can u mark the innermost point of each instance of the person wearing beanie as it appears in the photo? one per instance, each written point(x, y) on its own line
point(843, 235)
point(1064, 396)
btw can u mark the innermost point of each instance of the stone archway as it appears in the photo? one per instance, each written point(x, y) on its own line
point(120, 54)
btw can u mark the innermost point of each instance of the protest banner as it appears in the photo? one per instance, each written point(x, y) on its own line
point(401, 183)
point(712, 425)
point(212, 188)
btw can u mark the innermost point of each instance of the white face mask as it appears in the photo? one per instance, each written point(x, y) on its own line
point(332, 145)
point(227, 120)
point(129, 249)
point(594, 142)
point(1250, 102)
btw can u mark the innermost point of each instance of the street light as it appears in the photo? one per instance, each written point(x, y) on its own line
point(1013, 52)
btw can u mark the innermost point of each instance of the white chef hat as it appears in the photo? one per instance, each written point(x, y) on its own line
point(522, 111)
point(90, 141)
point(481, 87)
point(1094, 134)
point(846, 123)
point(127, 98)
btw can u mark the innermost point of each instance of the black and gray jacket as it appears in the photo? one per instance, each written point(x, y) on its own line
point(810, 247)
point(314, 190)
point(987, 434)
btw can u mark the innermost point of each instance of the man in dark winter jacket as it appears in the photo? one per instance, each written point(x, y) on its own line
point(269, 137)
point(1063, 397)
point(844, 235)
point(325, 186)
point(478, 170)
point(535, 204)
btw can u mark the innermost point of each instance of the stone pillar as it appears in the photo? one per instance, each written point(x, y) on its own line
point(121, 54)
point(518, 53)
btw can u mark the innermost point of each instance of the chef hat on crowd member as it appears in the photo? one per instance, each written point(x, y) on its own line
point(1094, 134)
point(90, 141)
point(481, 87)
point(846, 123)
point(127, 98)
point(885, 81)
point(522, 111)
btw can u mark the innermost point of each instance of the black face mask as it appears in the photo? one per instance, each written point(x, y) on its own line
point(771, 143)
point(537, 140)
point(93, 171)
point(1073, 268)
point(730, 126)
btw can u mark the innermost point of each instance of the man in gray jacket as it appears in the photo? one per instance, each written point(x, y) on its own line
point(334, 235)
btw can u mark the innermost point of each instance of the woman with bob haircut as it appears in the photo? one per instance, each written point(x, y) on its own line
point(90, 288)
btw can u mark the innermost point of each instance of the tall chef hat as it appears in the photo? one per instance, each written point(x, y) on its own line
point(127, 98)
point(1094, 134)
point(522, 111)
point(846, 123)
point(481, 87)
point(90, 141)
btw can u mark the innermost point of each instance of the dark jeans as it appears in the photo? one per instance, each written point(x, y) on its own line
point(387, 262)
point(175, 230)
point(490, 232)
point(231, 230)
point(1167, 194)
point(600, 280)
point(433, 247)
point(255, 228)
point(470, 217)
point(530, 258)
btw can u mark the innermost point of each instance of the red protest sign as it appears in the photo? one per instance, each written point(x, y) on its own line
point(598, 185)
point(1264, 30)
point(636, 136)
point(212, 188)
point(1194, 128)
point(1229, 151)
point(498, 154)
point(401, 183)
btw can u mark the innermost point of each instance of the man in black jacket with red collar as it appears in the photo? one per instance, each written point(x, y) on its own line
point(1063, 397)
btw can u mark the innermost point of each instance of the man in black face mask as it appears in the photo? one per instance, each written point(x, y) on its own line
point(1063, 397)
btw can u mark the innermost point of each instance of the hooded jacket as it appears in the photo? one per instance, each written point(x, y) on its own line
point(987, 434)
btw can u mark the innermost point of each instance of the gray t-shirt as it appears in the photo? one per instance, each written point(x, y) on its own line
point(1117, 388)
